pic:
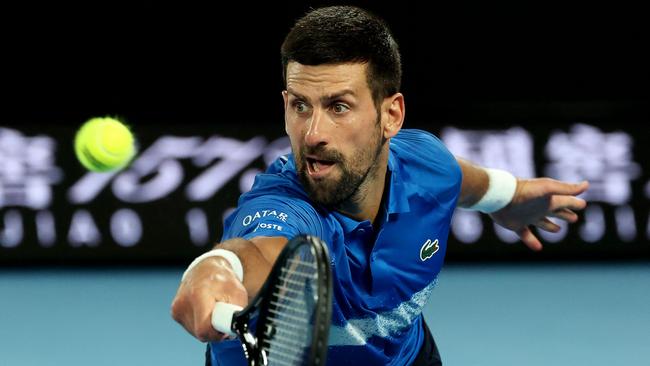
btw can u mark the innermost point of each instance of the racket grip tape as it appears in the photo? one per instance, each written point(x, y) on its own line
point(222, 317)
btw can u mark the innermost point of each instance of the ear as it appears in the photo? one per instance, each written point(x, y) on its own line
point(285, 97)
point(394, 110)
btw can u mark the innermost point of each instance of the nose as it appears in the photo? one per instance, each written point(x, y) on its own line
point(317, 130)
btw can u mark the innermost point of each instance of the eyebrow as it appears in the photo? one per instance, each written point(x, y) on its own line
point(325, 99)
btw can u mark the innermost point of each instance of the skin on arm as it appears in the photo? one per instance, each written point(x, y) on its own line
point(213, 280)
point(534, 201)
point(474, 185)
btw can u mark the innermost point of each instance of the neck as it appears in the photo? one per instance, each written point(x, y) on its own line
point(366, 202)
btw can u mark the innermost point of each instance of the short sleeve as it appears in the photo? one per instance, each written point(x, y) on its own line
point(273, 216)
point(429, 164)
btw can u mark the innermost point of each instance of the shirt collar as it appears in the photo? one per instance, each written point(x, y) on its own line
point(398, 201)
point(349, 224)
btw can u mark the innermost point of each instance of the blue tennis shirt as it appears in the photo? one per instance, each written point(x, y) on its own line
point(381, 279)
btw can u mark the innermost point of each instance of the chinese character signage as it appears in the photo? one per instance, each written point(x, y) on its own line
point(169, 204)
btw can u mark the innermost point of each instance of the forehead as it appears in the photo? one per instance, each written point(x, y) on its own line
point(327, 79)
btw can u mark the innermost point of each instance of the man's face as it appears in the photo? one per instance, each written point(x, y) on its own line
point(334, 128)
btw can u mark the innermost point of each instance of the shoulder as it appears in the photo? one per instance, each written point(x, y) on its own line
point(419, 151)
point(276, 205)
point(413, 143)
point(280, 179)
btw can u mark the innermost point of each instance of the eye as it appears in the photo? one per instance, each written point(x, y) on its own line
point(300, 106)
point(339, 108)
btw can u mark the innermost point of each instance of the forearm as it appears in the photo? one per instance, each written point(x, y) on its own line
point(257, 256)
point(474, 184)
point(256, 267)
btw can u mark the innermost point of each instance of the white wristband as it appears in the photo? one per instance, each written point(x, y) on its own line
point(231, 257)
point(500, 192)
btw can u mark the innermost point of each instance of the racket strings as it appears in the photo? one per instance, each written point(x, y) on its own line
point(289, 323)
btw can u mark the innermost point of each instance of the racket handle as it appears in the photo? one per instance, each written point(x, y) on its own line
point(222, 317)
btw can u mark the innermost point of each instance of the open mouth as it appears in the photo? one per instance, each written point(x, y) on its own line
point(318, 168)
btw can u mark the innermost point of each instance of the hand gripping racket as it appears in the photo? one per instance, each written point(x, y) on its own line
point(292, 310)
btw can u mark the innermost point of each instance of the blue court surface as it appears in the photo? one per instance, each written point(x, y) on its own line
point(533, 314)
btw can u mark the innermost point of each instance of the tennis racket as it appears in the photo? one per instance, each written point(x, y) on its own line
point(288, 321)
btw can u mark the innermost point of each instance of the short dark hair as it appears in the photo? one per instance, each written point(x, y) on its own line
point(340, 34)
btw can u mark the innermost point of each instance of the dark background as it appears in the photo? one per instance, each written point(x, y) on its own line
point(167, 66)
point(173, 59)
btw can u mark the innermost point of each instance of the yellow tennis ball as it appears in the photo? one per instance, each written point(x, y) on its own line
point(104, 144)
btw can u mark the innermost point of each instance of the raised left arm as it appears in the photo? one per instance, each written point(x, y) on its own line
point(531, 204)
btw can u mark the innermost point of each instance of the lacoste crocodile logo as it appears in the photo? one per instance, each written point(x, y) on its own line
point(429, 249)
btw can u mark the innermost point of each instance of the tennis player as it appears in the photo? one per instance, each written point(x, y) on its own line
point(382, 197)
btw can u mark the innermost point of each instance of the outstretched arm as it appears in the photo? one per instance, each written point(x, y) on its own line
point(213, 280)
point(533, 202)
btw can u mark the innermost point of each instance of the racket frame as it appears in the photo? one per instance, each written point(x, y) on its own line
point(323, 312)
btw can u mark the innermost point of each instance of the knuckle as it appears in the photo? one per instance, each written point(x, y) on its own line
point(205, 334)
point(201, 338)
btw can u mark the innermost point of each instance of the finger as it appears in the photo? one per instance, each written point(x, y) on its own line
point(553, 186)
point(570, 202)
point(548, 225)
point(210, 335)
point(528, 238)
point(203, 305)
point(205, 332)
point(564, 214)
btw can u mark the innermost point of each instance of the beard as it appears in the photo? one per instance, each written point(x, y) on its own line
point(334, 191)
